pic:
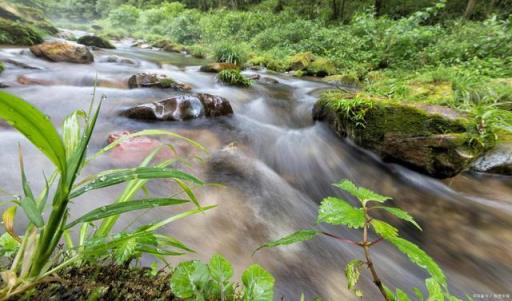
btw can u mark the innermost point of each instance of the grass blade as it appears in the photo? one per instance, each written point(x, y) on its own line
point(35, 126)
point(32, 211)
point(120, 208)
point(117, 176)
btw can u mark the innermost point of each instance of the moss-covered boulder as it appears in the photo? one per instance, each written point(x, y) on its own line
point(432, 139)
point(96, 42)
point(63, 51)
point(496, 161)
point(308, 64)
point(16, 33)
point(27, 14)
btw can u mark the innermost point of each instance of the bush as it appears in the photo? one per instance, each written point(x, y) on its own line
point(125, 17)
point(185, 28)
point(233, 77)
point(230, 52)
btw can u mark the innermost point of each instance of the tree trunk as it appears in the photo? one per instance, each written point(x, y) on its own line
point(342, 11)
point(470, 9)
point(334, 9)
point(378, 7)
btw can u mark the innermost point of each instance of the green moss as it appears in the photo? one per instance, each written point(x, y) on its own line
point(233, 77)
point(2, 67)
point(15, 33)
point(349, 78)
point(301, 61)
point(166, 83)
point(321, 67)
point(298, 73)
point(95, 41)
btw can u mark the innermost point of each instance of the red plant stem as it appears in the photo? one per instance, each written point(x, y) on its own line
point(341, 239)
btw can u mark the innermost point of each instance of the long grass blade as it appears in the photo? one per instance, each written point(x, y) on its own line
point(35, 126)
point(32, 211)
point(8, 221)
point(117, 176)
point(120, 208)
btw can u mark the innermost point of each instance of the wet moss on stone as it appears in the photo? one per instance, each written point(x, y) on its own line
point(16, 33)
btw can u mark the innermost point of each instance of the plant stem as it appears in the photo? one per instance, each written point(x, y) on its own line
point(369, 262)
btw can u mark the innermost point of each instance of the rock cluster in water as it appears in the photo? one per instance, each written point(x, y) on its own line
point(147, 80)
point(183, 107)
point(63, 51)
point(95, 41)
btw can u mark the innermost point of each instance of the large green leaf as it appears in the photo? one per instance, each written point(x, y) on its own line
point(221, 272)
point(258, 283)
point(34, 125)
point(419, 257)
point(298, 236)
point(401, 214)
point(384, 229)
point(336, 211)
point(189, 280)
point(120, 208)
point(117, 176)
point(362, 194)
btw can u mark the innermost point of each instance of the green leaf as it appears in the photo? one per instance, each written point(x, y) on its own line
point(189, 192)
point(258, 283)
point(352, 272)
point(401, 214)
point(167, 240)
point(384, 229)
point(418, 293)
point(32, 211)
point(298, 236)
point(220, 269)
point(126, 250)
point(434, 290)
point(120, 208)
point(71, 132)
point(419, 257)
point(339, 212)
point(189, 279)
point(364, 195)
point(35, 126)
point(117, 176)
point(401, 295)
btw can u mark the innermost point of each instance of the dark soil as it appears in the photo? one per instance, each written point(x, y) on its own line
point(102, 283)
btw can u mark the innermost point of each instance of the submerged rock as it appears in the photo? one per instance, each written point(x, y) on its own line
point(63, 51)
point(146, 80)
point(184, 107)
point(497, 160)
point(217, 67)
point(135, 149)
point(96, 42)
point(118, 60)
point(432, 139)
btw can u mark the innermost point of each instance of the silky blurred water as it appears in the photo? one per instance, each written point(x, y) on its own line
point(275, 165)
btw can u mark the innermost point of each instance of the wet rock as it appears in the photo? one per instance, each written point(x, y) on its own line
point(118, 60)
point(254, 77)
point(217, 67)
point(431, 139)
point(497, 160)
point(2, 85)
point(66, 35)
point(184, 107)
point(269, 80)
point(135, 149)
point(168, 46)
point(147, 80)
point(96, 42)
point(63, 51)
point(27, 80)
point(22, 65)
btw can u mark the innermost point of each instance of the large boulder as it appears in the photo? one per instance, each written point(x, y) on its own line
point(432, 139)
point(151, 80)
point(217, 67)
point(63, 51)
point(95, 41)
point(179, 108)
point(497, 161)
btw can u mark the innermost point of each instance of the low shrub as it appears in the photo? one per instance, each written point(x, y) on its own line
point(233, 77)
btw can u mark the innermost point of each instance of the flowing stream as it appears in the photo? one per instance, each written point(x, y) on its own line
point(275, 165)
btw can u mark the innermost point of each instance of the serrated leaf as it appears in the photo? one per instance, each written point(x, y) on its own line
point(34, 125)
point(435, 291)
point(364, 195)
point(401, 214)
point(189, 279)
point(384, 229)
point(419, 257)
point(298, 236)
point(336, 211)
point(220, 269)
point(258, 283)
point(352, 272)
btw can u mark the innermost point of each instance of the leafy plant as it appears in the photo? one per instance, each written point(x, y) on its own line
point(230, 53)
point(337, 211)
point(233, 77)
point(37, 255)
point(193, 280)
